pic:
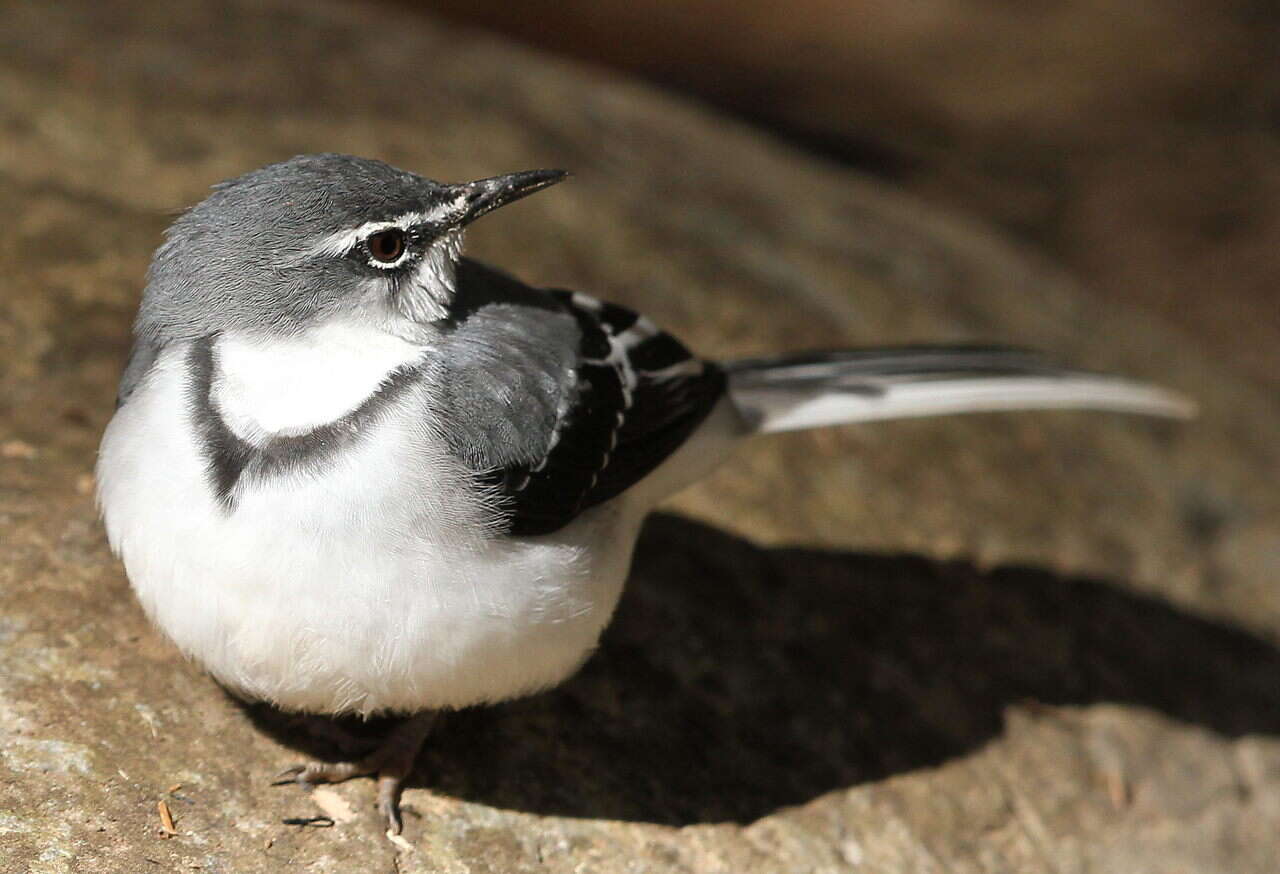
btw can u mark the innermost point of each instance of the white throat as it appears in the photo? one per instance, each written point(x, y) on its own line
point(276, 387)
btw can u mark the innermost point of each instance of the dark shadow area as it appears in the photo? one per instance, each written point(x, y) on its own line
point(736, 680)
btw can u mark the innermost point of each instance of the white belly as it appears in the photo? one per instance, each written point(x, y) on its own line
point(365, 588)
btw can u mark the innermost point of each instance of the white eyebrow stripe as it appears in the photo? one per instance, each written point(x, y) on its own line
point(342, 242)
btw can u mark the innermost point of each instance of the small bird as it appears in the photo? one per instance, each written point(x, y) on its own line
point(353, 472)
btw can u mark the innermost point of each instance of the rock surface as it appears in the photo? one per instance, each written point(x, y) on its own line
point(996, 644)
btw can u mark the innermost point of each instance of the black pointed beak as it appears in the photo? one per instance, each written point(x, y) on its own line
point(485, 195)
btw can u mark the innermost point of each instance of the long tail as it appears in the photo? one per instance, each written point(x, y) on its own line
point(808, 391)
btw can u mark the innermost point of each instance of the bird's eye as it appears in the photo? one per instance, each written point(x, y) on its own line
point(387, 246)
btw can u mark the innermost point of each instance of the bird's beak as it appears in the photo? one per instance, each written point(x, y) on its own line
point(484, 195)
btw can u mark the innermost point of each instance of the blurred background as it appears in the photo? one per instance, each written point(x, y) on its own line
point(1137, 143)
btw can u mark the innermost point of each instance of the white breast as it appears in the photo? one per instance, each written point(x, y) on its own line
point(372, 585)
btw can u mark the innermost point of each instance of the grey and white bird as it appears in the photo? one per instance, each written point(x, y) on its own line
point(353, 472)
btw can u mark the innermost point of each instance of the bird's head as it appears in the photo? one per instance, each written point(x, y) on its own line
point(286, 246)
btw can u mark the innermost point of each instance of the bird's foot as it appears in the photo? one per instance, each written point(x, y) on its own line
point(391, 763)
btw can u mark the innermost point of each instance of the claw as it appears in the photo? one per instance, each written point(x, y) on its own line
point(391, 762)
point(325, 772)
point(288, 775)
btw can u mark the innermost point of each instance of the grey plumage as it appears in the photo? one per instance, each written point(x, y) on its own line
point(258, 267)
point(141, 357)
point(507, 374)
point(253, 234)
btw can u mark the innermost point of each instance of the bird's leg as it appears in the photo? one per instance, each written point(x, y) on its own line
point(391, 762)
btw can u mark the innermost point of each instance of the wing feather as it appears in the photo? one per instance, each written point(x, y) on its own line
point(560, 402)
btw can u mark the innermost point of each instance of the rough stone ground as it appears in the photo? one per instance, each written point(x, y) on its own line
point(1037, 643)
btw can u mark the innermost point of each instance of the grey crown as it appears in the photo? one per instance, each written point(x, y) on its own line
point(238, 259)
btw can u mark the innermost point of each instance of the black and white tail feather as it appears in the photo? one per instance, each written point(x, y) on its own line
point(865, 385)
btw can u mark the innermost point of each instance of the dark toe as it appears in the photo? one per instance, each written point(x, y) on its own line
point(288, 775)
point(389, 787)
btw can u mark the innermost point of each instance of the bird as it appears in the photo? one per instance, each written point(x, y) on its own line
point(354, 472)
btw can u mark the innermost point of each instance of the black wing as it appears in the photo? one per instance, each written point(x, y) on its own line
point(560, 402)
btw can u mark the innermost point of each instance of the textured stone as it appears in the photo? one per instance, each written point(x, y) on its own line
point(995, 644)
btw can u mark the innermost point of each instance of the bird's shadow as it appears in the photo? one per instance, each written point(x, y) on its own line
point(736, 680)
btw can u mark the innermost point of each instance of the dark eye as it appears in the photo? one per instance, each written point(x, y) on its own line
point(387, 246)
